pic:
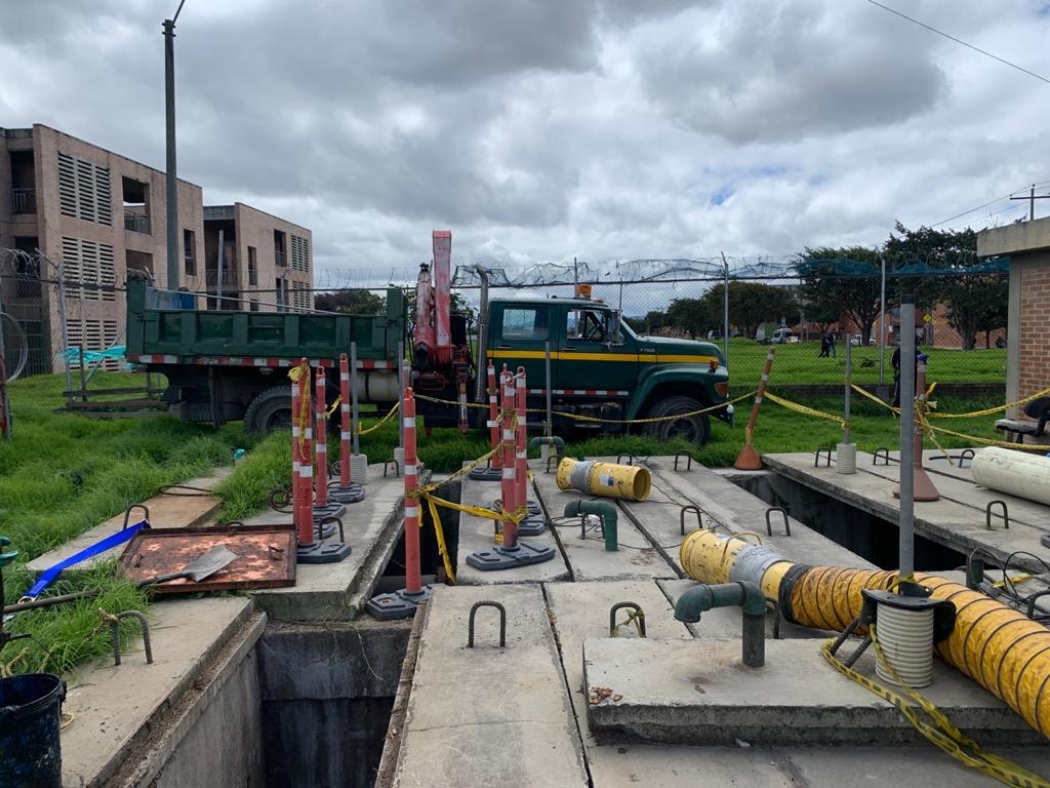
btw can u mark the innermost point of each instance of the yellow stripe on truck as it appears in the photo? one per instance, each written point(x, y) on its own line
point(569, 355)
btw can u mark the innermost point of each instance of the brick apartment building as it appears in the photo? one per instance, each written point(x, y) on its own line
point(1027, 244)
point(102, 215)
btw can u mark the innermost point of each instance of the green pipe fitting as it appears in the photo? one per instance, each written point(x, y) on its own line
point(748, 596)
point(554, 440)
point(607, 511)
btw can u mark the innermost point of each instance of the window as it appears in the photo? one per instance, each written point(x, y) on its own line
point(300, 254)
point(253, 267)
point(590, 325)
point(253, 305)
point(83, 190)
point(88, 271)
point(189, 246)
point(525, 323)
point(136, 205)
point(280, 250)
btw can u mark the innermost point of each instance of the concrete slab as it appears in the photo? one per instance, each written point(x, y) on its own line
point(588, 559)
point(476, 534)
point(338, 591)
point(736, 508)
point(946, 522)
point(116, 709)
point(489, 716)
point(189, 508)
point(702, 694)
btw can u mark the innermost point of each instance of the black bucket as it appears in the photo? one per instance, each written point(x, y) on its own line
point(30, 706)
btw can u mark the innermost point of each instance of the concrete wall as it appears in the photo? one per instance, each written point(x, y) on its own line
point(224, 747)
point(256, 229)
point(326, 699)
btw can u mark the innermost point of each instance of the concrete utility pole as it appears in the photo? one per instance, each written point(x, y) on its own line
point(172, 174)
point(1032, 197)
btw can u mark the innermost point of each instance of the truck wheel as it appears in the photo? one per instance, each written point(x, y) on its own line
point(696, 428)
point(271, 410)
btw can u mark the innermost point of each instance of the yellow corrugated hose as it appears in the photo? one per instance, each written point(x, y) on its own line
point(998, 647)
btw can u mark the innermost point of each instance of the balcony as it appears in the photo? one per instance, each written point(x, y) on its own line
point(23, 201)
point(229, 277)
point(137, 222)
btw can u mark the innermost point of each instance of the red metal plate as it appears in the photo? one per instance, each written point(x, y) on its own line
point(265, 557)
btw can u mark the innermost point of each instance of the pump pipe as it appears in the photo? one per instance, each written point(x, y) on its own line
point(606, 511)
point(748, 596)
point(553, 440)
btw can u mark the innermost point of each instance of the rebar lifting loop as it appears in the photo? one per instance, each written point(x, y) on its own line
point(502, 621)
point(769, 525)
point(699, 519)
point(320, 524)
point(1030, 601)
point(988, 514)
point(816, 459)
point(966, 454)
point(741, 535)
point(133, 507)
point(630, 458)
point(397, 468)
point(636, 617)
point(883, 452)
point(555, 458)
point(114, 625)
point(688, 460)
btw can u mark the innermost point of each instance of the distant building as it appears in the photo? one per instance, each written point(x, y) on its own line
point(100, 215)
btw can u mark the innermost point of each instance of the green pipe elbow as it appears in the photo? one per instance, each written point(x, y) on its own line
point(608, 513)
point(702, 598)
point(554, 440)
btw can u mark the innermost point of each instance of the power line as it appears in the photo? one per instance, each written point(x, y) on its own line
point(1006, 196)
point(960, 41)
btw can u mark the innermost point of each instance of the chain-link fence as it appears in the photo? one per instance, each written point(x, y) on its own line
point(55, 316)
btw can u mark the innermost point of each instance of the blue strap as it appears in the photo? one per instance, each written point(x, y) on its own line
point(119, 538)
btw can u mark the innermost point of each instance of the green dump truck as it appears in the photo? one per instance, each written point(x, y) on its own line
point(229, 365)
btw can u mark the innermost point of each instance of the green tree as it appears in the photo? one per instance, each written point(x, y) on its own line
point(353, 302)
point(750, 305)
point(847, 280)
point(946, 269)
point(686, 314)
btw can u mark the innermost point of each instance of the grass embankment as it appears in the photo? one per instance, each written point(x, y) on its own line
point(62, 474)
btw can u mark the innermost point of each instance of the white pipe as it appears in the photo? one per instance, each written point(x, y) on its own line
point(1013, 472)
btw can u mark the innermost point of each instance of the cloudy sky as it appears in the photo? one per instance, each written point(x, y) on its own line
point(540, 130)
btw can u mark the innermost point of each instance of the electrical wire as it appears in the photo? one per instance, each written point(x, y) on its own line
point(960, 41)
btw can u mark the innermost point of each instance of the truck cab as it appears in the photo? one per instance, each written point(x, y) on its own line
point(602, 374)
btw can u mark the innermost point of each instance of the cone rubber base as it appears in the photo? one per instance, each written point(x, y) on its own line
point(397, 604)
point(748, 459)
point(355, 493)
point(322, 553)
point(510, 558)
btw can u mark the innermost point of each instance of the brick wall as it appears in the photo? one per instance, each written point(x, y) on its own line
point(1034, 339)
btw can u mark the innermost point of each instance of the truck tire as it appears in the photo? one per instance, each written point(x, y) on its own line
point(696, 428)
point(271, 410)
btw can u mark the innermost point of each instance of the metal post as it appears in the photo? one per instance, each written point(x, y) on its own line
point(906, 549)
point(882, 322)
point(849, 380)
point(218, 284)
point(413, 581)
point(63, 318)
point(725, 321)
point(548, 428)
point(172, 173)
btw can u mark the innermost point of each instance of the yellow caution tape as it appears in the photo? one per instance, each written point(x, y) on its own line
point(989, 411)
point(296, 373)
point(941, 731)
point(805, 410)
point(381, 422)
point(336, 404)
